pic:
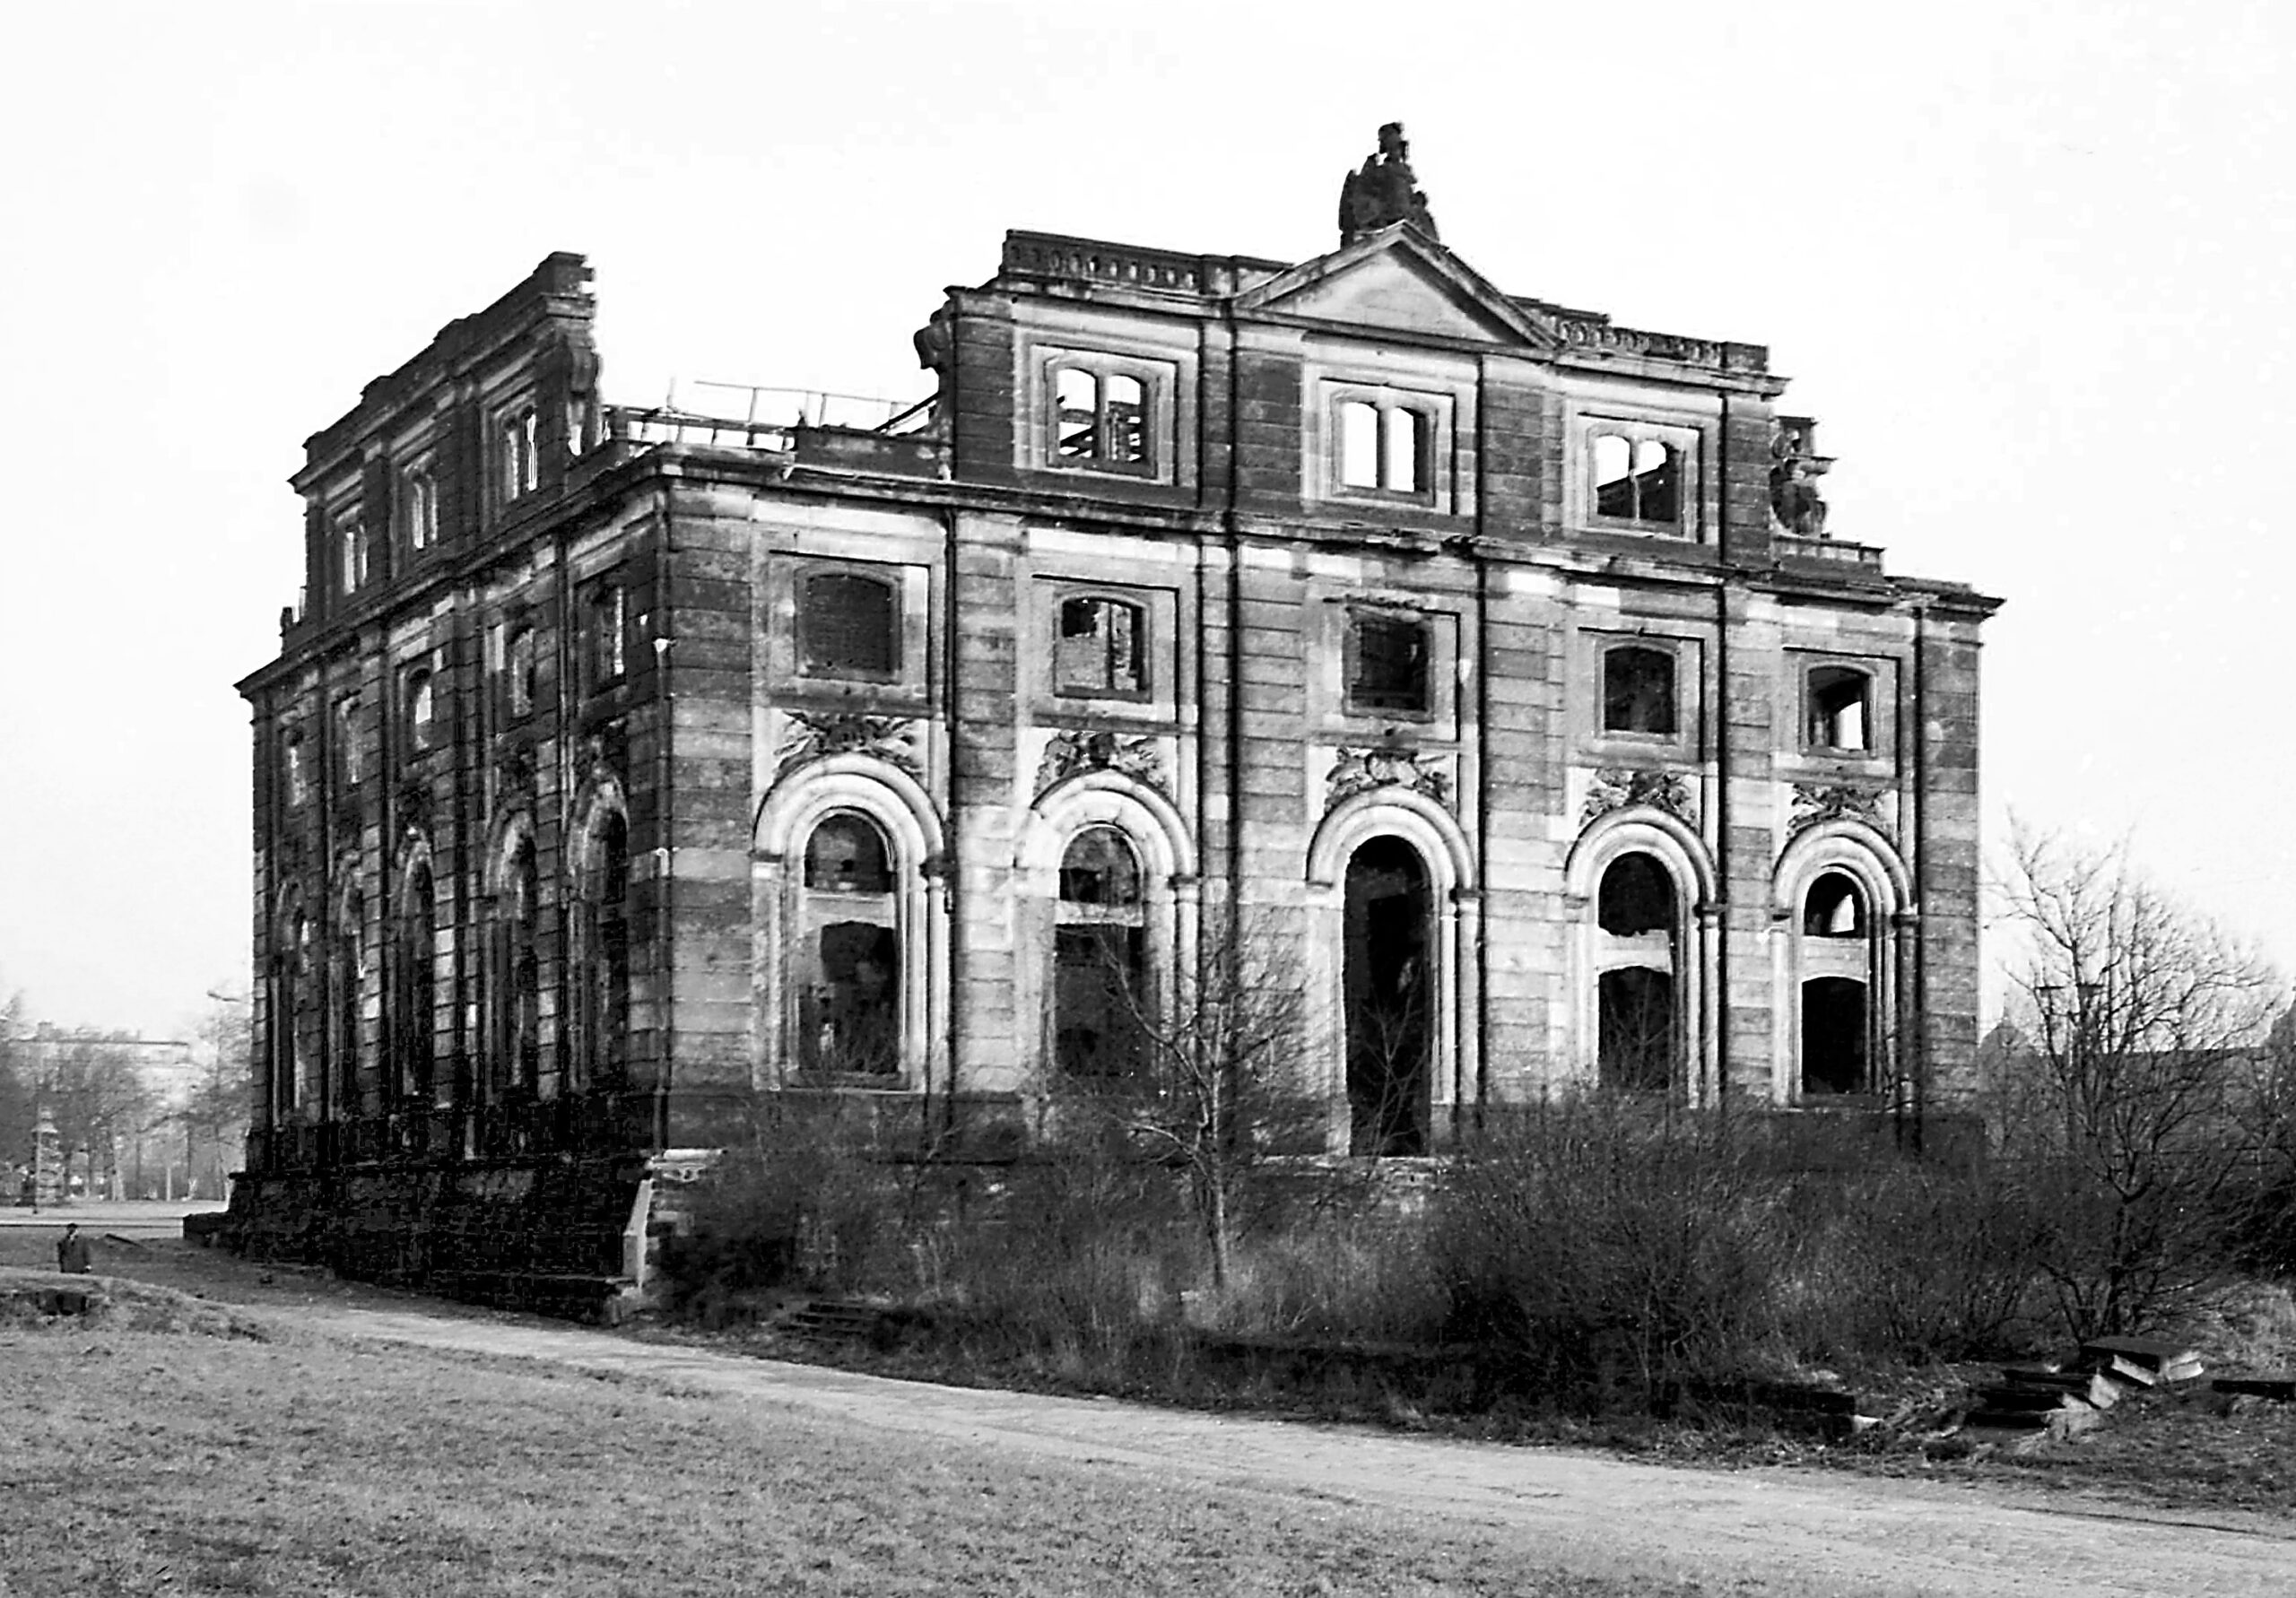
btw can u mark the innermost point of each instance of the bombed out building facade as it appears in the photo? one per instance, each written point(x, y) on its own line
point(622, 765)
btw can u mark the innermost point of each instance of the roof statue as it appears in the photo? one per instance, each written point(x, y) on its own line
point(1381, 195)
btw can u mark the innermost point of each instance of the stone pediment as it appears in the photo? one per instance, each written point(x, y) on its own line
point(1399, 281)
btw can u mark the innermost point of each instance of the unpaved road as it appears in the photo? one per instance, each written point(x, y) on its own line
point(1766, 1531)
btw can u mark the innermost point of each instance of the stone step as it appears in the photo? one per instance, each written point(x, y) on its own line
point(2278, 1385)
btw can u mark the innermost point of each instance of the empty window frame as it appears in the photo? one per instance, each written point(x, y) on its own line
point(605, 628)
point(1388, 662)
point(1385, 448)
point(419, 698)
point(295, 766)
point(1635, 476)
point(519, 980)
point(601, 964)
point(1100, 960)
point(346, 970)
point(351, 552)
point(1100, 647)
point(1639, 690)
point(849, 998)
point(518, 672)
point(848, 625)
point(518, 452)
point(1839, 701)
point(415, 988)
point(350, 766)
point(1100, 419)
point(1638, 1042)
point(418, 499)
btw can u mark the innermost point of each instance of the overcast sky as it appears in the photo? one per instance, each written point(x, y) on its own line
point(2029, 264)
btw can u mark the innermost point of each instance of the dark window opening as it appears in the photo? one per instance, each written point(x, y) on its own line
point(1099, 869)
point(1388, 670)
point(847, 854)
point(344, 1002)
point(518, 975)
point(606, 632)
point(1833, 1036)
point(849, 626)
point(1100, 648)
point(1388, 996)
point(1835, 909)
point(849, 1014)
point(1636, 480)
point(1840, 710)
point(1097, 972)
point(1639, 690)
point(1635, 1023)
point(414, 1016)
point(1637, 898)
point(604, 986)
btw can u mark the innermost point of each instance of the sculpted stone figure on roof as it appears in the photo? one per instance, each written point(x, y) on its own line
point(1382, 194)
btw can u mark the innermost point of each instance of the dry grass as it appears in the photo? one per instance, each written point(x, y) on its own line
point(148, 1464)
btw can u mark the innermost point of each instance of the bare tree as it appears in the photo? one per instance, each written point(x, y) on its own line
point(91, 1086)
point(216, 1108)
point(1209, 1084)
point(2142, 1020)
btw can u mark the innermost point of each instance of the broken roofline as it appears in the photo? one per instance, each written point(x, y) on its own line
point(1062, 258)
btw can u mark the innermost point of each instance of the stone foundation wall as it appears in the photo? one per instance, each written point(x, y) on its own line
point(546, 1236)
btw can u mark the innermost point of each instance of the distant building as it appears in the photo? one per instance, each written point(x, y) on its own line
point(622, 764)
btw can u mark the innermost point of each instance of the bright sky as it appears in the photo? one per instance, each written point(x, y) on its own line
point(2028, 262)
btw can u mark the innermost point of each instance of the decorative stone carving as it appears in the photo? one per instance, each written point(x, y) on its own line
point(1357, 770)
point(513, 767)
point(414, 806)
point(1069, 754)
point(1381, 195)
point(813, 737)
point(1816, 802)
point(1615, 789)
point(1795, 466)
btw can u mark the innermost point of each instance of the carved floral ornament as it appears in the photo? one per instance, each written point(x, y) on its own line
point(1069, 754)
point(1814, 802)
point(813, 737)
point(1615, 789)
point(1360, 770)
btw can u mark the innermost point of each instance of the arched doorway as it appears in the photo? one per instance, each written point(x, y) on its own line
point(1388, 998)
point(1835, 961)
point(1637, 1034)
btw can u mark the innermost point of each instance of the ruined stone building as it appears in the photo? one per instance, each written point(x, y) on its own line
point(620, 764)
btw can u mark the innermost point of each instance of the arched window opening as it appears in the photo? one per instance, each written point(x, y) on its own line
point(518, 974)
point(414, 1016)
point(1100, 958)
point(847, 854)
point(1099, 647)
point(603, 988)
point(518, 671)
point(1834, 1037)
point(419, 496)
point(1636, 480)
point(1835, 909)
point(1389, 995)
point(848, 626)
point(1124, 429)
point(422, 712)
point(849, 1004)
point(1840, 708)
point(1639, 690)
point(1636, 1016)
point(1637, 898)
point(346, 973)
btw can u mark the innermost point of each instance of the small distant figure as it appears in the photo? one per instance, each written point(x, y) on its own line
point(71, 1252)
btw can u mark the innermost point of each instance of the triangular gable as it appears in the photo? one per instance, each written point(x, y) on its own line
point(1398, 278)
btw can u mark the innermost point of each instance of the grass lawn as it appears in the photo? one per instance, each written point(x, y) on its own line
point(149, 1464)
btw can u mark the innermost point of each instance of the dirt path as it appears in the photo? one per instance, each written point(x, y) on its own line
point(1756, 1531)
